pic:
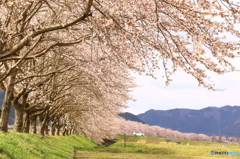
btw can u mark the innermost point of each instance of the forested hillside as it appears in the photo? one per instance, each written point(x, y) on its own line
point(131, 117)
point(223, 121)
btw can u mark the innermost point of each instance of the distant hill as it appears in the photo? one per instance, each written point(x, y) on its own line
point(223, 121)
point(132, 117)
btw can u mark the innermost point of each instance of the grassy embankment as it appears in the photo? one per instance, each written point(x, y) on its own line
point(30, 146)
point(24, 146)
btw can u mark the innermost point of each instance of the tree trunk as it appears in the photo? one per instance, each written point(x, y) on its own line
point(72, 131)
point(26, 114)
point(53, 128)
point(64, 131)
point(33, 127)
point(26, 124)
point(58, 129)
point(43, 125)
point(19, 110)
point(46, 129)
point(59, 126)
point(18, 123)
point(41, 118)
point(42, 131)
point(5, 116)
point(7, 102)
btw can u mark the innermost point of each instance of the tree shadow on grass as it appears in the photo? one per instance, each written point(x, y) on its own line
point(108, 142)
point(6, 154)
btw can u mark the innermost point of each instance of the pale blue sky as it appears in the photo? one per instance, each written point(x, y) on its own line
point(183, 92)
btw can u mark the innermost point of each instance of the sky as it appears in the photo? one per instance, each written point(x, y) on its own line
point(184, 92)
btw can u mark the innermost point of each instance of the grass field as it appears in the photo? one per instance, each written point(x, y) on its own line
point(29, 146)
point(147, 147)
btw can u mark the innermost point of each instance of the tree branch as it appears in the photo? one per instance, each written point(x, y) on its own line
point(46, 29)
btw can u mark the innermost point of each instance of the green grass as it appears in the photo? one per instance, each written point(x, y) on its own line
point(148, 147)
point(30, 146)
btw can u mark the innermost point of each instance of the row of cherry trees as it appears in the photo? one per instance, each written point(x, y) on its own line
point(58, 90)
point(67, 63)
point(128, 127)
point(56, 71)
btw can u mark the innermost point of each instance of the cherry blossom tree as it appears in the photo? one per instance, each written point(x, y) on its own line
point(149, 32)
point(128, 127)
point(104, 40)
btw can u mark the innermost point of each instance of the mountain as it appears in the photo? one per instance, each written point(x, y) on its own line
point(223, 121)
point(129, 116)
